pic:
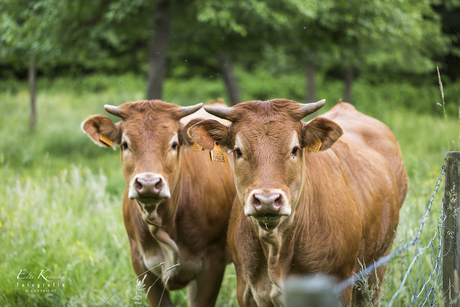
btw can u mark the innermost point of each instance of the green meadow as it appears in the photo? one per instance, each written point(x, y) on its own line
point(61, 196)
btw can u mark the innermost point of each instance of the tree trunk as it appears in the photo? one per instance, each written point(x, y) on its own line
point(348, 80)
point(157, 54)
point(229, 78)
point(311, 85)
point(32, 77)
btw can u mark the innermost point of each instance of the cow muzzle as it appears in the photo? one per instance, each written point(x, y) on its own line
point(148, 189)
point(267, 207)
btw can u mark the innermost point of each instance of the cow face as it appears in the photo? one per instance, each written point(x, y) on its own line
point(150, 137)
point(268, 141)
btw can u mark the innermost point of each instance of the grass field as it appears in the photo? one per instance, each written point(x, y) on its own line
point(60, 195)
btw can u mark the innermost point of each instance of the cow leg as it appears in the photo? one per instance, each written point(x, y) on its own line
point(346, 296)
point(157, 290)
point(376, 282)
point(370, 294)
point(243, 292)
point(203, 291)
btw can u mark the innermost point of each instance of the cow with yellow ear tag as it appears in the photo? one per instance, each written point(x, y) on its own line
point(176, 204)
point(316, 197)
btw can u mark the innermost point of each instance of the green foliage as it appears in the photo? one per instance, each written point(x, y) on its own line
point(77, 37)
point(24, 28)
point(66, 34)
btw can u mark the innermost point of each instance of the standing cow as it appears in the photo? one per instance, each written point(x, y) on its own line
point(317, 197)
point(177, 203)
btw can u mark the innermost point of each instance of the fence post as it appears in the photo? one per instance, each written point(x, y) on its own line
point(311, 291)
point(451, 206)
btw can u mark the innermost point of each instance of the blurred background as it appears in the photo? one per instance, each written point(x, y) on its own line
point(62, 60)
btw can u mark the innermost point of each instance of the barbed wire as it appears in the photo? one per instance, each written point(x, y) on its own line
point(415, 241)
point(437, 264)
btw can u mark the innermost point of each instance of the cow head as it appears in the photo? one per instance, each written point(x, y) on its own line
point(150, 137)
point(268, 141)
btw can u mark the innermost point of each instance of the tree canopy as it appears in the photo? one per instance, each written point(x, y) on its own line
point(388, 36)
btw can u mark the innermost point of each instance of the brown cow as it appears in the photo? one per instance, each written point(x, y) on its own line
point(177, 203)
point(300, 212)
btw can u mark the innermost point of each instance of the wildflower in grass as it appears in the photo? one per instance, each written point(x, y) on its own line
point(81, 256)
point(0, 224)
point(78, 242)
point(114, 285)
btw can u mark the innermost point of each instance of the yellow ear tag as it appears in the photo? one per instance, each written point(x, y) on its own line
point(105, 140)
point(197, 147)
point(315, 147)
point(217, 154)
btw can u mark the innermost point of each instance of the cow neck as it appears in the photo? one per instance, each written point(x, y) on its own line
point(164, 233)
point(165, 216)
point(273, 244)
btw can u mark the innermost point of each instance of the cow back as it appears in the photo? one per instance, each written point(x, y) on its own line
point(367, 132)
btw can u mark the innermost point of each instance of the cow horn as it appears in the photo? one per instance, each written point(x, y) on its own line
point(189, 110)
point(309, 108)
point(225, 113)
point(112, 110)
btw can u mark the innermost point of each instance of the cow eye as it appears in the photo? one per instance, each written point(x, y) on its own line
point(294, 151)
point(174, 145)
point(239, 153)
point(124, 145)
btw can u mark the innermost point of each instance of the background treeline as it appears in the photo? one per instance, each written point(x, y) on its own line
point(376, 42)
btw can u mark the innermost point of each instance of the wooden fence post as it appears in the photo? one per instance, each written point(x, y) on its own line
point(451, 205)
point(311, 291)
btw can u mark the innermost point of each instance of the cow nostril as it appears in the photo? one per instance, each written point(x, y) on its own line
point(138, 185)
point(159, 184)
point(256, 203)
point(278, 202)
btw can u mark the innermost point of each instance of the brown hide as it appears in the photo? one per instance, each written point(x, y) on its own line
point(187, 225)
point(340, 206)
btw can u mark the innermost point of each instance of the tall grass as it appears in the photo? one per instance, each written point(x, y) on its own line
point(60, 195)
point(67, 224)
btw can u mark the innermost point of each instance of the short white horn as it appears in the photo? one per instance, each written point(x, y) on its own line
point(309, 108)
point(112, 110)
point(225, 113)
point(190, 110)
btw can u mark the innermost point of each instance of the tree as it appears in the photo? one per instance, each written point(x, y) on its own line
point(25, 33)
point(236, 31)
point(43, 32)
point(158, 51)
point(380, 33)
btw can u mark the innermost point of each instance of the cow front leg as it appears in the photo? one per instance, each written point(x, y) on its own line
point(157, 289)
point(156, 292)
point(203, 291)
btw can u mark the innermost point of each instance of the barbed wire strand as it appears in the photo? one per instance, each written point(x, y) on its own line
point(437, 265)
point(383, 260)
point(415, 240)
point(437, 262)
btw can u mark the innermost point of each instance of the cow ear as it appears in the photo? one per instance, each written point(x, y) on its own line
point(206, 132)
point(102, 130)
point(184, 138)
point(323, 129)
